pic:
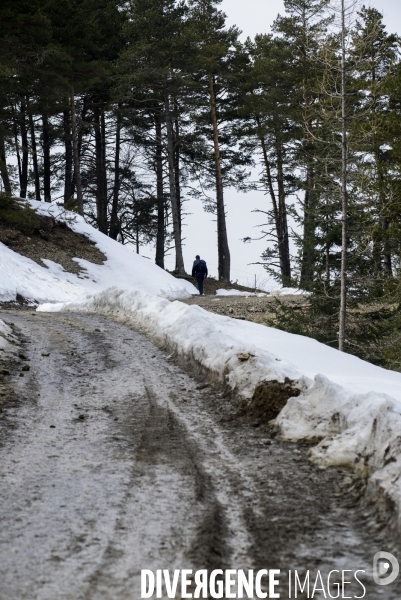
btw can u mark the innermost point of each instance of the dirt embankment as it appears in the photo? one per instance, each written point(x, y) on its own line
point(253, 308)
point(52, 240)
point(211, 285)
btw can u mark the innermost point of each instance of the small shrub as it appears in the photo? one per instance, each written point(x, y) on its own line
point(72, 205)
point(16, 215)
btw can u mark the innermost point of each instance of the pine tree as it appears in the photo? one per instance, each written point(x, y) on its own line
point(214, 70)
point(270, 94)
point(304, 29)
point(154, 65)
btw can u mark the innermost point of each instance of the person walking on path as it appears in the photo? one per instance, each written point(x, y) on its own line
point(199, 271)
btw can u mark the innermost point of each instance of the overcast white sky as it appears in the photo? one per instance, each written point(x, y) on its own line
point(252, 17)
point(256, 16)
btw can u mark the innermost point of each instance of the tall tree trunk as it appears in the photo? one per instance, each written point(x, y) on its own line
point(101, 190)
point(283, 249)
point(387, 262)
point(103, 165)
point(81, 130)
point(114, 223)
point(383, 253)
point(25, 150)
point(46, 159)
point(344, 196)
point(98, 152)
point(77, 168)
point(137, 233)
point(80, 135)
point(34, 157)
point(68, 183)
point(222, 240)
point(308, 260)
point(3, 166)
point(282, 211)
point(179, 260)
point(17, 152)
point(309, 232)
point(160, 238)
point(327, 246)
point(177, 163)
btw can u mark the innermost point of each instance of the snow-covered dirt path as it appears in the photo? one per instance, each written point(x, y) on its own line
point(114, 460)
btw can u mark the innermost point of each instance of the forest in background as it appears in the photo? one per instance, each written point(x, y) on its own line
point(123, 111)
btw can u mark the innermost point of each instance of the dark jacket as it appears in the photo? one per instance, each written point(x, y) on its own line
point(199, 266)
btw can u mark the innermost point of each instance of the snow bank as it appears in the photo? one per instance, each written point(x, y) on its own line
point(211, 340)
point(352, 406)
point(222, 292)
point(123, 268)
point(289, 292)
point(191, 289)
point(361, 431)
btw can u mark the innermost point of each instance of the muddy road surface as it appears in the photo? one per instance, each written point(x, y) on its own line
point(113, 459)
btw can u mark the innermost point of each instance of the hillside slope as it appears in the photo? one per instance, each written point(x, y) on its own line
point(58, 281)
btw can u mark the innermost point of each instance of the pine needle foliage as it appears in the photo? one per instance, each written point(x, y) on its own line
point(17, 215)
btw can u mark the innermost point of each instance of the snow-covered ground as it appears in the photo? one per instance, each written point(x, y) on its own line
point(352, 406)
point(223, 292)
point(286, 291)
point(123, 268)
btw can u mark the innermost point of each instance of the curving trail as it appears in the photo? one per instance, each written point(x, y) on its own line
point(113, 460)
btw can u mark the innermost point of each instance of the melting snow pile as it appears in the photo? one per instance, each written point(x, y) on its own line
point(123, 268)
point(289, 292)
point(222, 292)
point(352, 406)
point(211, 340)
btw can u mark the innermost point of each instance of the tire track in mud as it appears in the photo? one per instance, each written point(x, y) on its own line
point(163, 443)
point(209, 547)
point(121, 463)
